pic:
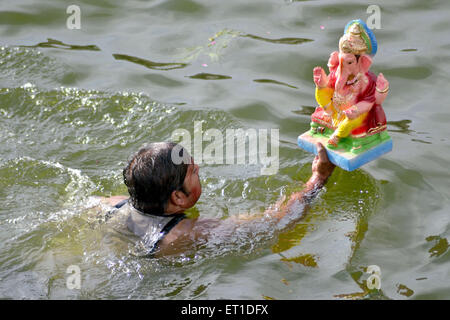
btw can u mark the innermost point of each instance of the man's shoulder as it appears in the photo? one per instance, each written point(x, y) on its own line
point(182, 229)
point(178, 239)
point(193, 228)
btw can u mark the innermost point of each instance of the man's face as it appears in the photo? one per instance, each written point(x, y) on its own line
point(192, 184)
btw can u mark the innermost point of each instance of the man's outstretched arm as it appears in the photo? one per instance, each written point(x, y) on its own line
point(322, 169)
point(190, 231)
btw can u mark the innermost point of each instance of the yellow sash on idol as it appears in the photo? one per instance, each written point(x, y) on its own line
point(340, 121)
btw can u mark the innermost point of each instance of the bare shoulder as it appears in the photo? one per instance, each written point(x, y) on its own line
point(185, 234)
point(182, 229)
point(178, 238)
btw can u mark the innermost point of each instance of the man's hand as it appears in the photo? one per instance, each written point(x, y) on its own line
point(322, 168)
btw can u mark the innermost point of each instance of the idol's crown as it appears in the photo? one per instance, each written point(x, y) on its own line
point(352, 41)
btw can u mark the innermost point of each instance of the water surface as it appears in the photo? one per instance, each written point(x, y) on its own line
point(74, 104)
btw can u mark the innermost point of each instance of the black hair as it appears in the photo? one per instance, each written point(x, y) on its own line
point(151, 176)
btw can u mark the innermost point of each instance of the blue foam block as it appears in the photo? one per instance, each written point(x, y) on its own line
point(344, 160)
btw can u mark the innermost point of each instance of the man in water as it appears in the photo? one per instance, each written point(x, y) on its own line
point(161, 191)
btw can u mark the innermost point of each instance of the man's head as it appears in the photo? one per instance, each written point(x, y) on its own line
point(157, 184)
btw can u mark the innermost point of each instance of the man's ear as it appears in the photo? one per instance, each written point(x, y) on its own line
point(178, 198)
point(364, 63)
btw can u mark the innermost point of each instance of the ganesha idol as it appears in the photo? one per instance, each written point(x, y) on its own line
point(350, 120)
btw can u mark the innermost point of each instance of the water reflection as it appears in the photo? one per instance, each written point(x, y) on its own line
point(209, 76)
point(150, 64)
point(278, 41)
point(216, 45)
point(274, 82)
point(402, 125)
point(305, 110)
point(308, 260)
point(53, 43)
point(404, 290)
point(440, 247)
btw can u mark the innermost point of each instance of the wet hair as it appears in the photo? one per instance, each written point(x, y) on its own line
point(151, 176)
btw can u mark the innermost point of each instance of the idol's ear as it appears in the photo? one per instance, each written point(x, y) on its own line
point(365, 62)
point(333, 62)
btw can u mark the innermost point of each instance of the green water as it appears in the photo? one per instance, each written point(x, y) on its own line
point(74, 104)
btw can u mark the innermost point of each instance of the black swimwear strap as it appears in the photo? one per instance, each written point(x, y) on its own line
point(169, 226)
point(121, 203)
point(118, 205)
point(172, 223)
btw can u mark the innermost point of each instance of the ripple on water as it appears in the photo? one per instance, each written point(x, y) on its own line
point(22, 65)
